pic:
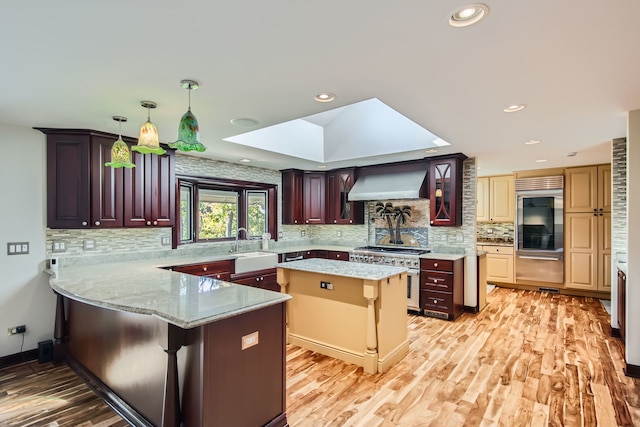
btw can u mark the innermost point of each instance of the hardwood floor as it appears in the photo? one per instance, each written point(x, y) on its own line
point(528, 359)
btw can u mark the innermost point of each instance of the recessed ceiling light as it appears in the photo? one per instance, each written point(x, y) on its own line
point(432, 150)
point(541, 160)
point(325, 97)
point(244, 122)
point(532, 142)
point(468, 15)
point(322, 166)
point(515, 107)
point(571, 154)
point(245, 160)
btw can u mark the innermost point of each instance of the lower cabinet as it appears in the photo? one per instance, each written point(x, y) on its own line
point(588, 251)
point(500, 263)
point(442, 288)
point(220, 270)
point(263, 279)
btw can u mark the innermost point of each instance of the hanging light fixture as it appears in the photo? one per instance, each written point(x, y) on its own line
point(188, 129)
point(148, 141)
point(120, 154)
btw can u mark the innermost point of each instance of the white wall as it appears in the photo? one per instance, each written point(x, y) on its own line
point(25, 295)
point(633, 228)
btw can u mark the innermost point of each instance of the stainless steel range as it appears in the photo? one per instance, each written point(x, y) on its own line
point(399, 256)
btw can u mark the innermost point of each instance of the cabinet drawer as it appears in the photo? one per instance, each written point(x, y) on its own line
point(502, 250)
point(436, 281)
point(436, 301)
point(224, 275)
point(205, 269)
point(436, 264)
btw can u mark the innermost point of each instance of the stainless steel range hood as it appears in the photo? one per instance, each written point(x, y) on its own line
point(385, 186)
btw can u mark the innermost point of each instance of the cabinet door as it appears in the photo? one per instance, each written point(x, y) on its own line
point(581, 263)
point(68, 190)
point(499, 268)
point(482, 199)
point(338, 255)
point(163, 189)
point(502, 198)
point(106, 186)
point(292, 189)
point(339, 209)
point(445, 195)
point(314, 195)
point(604, 188)
point(581, 193)
point(137, 183)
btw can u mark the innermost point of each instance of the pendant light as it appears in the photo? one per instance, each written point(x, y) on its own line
point(188, 129)
point(148, 141)
point(120, 154)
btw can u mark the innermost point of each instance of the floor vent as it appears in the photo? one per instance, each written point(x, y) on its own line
point(437, 314)
point(551, 290)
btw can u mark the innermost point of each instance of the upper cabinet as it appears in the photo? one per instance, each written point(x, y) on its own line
point(588, 189)
point(445, 190)
point(496, 199)
point(82, 192)
point(314, 195)
point(339, 209)
point(303, 197)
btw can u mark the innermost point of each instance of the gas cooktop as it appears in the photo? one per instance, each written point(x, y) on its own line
point(405, 250)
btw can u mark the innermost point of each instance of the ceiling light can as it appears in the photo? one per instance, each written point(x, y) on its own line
point(325, 97)
point(468, 14)
point(514, 107)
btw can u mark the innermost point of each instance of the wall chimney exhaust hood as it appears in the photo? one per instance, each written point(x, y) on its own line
point(390, 185)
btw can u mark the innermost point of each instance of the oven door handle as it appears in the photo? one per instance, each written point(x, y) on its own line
point(541, 258)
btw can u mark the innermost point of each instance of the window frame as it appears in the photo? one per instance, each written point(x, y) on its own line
point(243, 188)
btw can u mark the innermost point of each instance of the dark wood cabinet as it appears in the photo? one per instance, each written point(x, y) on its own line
point(622, 303)
point(338, 255)
point(82, 192)
point(316, 253)
point(442, 288)
point(263, 279)
point(220, 270)
point(149, 190)
point(292, 201)
point(339, 209)
point(314, 198)
point(445, 190)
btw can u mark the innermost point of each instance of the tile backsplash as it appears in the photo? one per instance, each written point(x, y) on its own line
point(498, 232)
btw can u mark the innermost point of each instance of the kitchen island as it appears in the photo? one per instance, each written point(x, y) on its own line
point(351, 311)
point(166, 348)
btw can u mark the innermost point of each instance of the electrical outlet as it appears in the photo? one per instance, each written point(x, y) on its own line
point(303, 233)
point(59, 246)
point(326, 285)
point(339, 233)
point(21, 329)
point(165, 240)
point(459, 237)
point(88, 244)
point(489, 230)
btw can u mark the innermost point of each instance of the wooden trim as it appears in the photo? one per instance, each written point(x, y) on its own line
point(132, 416)
point(561, 291)
point(17, 358)
point(632, 371)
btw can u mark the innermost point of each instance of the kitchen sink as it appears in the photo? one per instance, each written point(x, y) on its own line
point(252, 261)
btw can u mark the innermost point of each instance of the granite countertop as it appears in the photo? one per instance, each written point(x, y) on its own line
point(344, 269)
point(310, 247)
point(448, 257)
point(622, 265)
point(141, 287)
point(494, 242)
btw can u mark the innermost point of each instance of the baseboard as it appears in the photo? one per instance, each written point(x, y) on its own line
point(116, 403)
point(615, 332)
point(469, 309)
point(632, 371)
point(16, 359)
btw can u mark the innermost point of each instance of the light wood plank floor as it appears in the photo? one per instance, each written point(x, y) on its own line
point(528, 359)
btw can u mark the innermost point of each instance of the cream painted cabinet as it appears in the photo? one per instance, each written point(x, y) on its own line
point(496, 199)
point(588, 228)
point(499, 263)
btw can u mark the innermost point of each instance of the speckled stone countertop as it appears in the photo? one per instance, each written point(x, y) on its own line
point(344, 269)
point(448, 257)
point(310, 247)
point(141, 287)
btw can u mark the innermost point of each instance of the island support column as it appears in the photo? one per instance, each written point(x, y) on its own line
point(171, 339)
point(370, 292)
point(283, 280)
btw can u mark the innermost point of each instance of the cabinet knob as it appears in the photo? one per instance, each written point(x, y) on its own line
point(335, 221)
point(84, 222)
point(261, 278)
point(217, 276)
point(155, 222)
point(595, 210)
point(295, 221)
point(435, 264)
point(257, 279)
point(431, 222)
point(307, 221)
point(97, 222)
point(148, 222)
point(338, 256)
point(204, 268)
point(350, 221)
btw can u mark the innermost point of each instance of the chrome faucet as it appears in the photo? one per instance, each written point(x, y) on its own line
point(238, 235)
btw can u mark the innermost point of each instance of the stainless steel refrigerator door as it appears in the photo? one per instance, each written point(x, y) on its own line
point(540, 268)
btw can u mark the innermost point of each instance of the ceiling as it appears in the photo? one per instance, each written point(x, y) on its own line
point(575, 64)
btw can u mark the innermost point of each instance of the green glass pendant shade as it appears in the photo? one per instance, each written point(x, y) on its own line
point(148, 141)
point(120, 155)
point(188, 134)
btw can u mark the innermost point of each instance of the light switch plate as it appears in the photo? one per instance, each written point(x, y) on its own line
point(17, 248)
point(89, 244)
